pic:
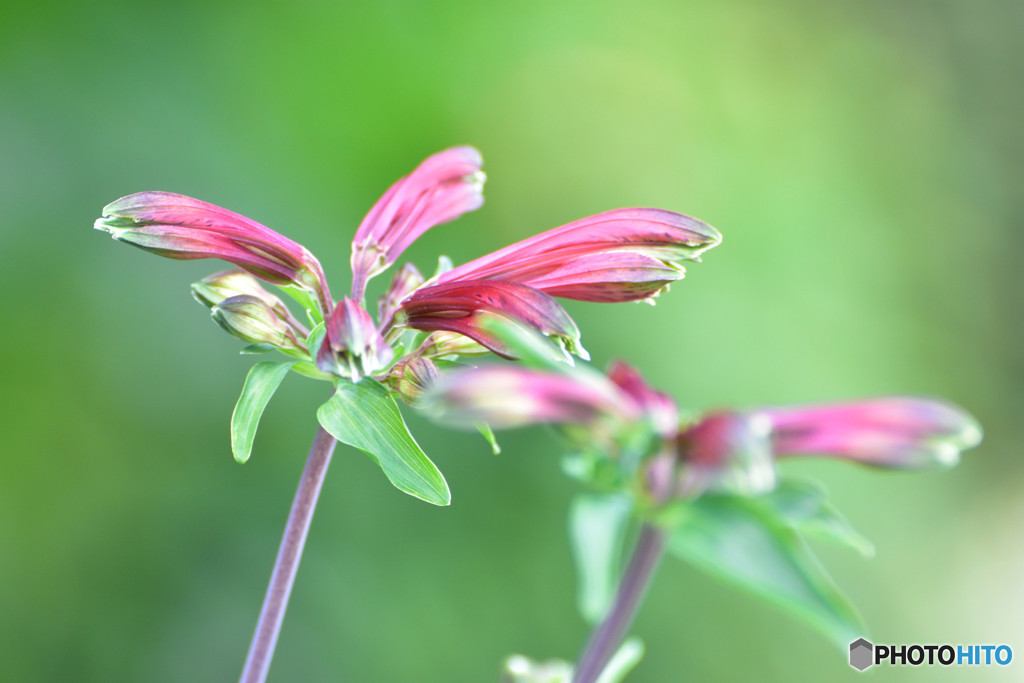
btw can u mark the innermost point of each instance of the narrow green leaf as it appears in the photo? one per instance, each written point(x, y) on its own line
point(260, 384)
point(485, 430)
point(253, 349)
point(315, 338)
point(802, 505)
point(597, 530)
point(737, 539)
point(623, 661)
point(366, 416)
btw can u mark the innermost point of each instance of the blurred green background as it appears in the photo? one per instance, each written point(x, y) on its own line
point(864, 161)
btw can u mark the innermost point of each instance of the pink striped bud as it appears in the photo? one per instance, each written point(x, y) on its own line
point(184, 228)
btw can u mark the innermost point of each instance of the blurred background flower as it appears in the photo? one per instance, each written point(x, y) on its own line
point(863, 161)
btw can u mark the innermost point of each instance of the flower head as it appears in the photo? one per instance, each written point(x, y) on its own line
point(620, 255)
point(181, 227)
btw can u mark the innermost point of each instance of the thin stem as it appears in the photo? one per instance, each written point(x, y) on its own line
point(257, 664)
point(607, 637)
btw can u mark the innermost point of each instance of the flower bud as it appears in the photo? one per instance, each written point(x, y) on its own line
point(411, 376)
point(180, 227)
point(252, 320)
point(213, 289)
point(352, 345)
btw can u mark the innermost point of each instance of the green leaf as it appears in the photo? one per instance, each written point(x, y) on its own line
point(623, 661)
point(740, 540)
point(597, 530)
point(802, 505)
point(366, 416)
point(309, 370)
point(485, 430)
point(253, 349)
point(315, 338)
point(260, 384)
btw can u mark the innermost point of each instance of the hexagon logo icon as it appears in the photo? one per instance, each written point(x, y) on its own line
point(861, 654)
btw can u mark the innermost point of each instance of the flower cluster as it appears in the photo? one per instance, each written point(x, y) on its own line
point(620, 255)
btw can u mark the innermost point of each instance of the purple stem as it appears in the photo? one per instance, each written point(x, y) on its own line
point(607, 637)
point(257, 664)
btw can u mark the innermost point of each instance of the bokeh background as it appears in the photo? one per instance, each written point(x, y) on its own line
point(864, 161)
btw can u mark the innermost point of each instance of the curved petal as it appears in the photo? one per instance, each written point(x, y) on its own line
point(442, 188)
point(566, 259)
point(457, 307)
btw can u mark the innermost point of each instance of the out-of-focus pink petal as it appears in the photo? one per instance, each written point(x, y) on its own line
point(659, 407)
point(726, 451)
point(886, 432)
point(184, 228)
point(515, 396)
point(442, 188)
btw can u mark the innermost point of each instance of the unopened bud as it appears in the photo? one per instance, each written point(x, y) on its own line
point(412, 376)
point(251, 319)
point(352, 346)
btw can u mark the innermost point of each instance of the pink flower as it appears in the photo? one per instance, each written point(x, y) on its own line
point(883, 432)
point(181, 227)
point(620, 255)
point(894, 432)
point(440, 189)
point(724, 450)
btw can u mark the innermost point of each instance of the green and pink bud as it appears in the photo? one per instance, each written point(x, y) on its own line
point(442, 188)
point(184, 228)
point(620, 255)
point(411, 377)
point(214, 289)
point(352, 346)
point(251, 319)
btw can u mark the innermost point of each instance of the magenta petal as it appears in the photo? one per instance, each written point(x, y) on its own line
point(659, 407)
point(885, 432)
point(442, 188)
point(181, 227)
point(568, 258)
point(456, 306)
point(608, 277)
